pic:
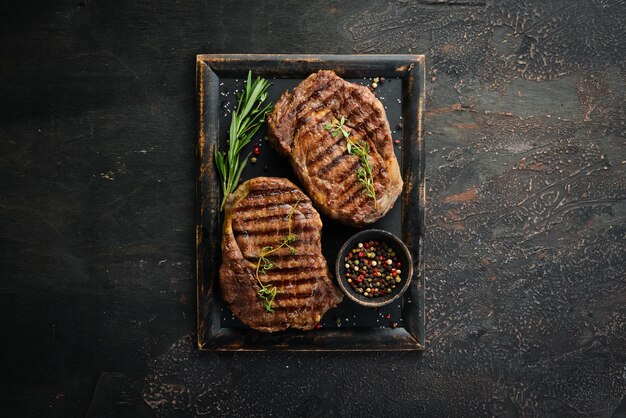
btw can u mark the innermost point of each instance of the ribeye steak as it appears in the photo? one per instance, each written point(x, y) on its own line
point(298, 129)
point(259, 216)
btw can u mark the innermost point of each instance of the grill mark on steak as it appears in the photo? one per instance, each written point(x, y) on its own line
point(292, 278)
point(352, 193)
point(247, 225)
point(355, 116)
point(366, 129)
point(327, 91)
point(264, 204)
point(270, 230)
point(336, 162)
point(263, 216)
point(349, 170)
point(277, 270)
point(251, 252)
point(285, 258)
point(283, 266)
point(261, 194)
point(300, 115)
point(293, 296)
point(360, 200)
point(322, 92)
point(292, 309)
point(341, 161)
point(282, 272)
point(299, 303)
point(264, 241)
point(330, 97)
point(325, 150)
point(275, 195)
point(315, 109)
point(286, 283)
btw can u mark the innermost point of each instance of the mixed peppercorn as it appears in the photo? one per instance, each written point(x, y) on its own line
point(372, 269)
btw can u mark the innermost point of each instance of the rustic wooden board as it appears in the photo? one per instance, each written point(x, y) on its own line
point(217, 75)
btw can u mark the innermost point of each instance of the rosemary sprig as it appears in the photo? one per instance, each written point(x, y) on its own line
point(246, 120)
point(266, 292)
point(359, 148)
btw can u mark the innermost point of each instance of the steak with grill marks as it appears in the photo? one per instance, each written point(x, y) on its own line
point(321, 161)
point(262, 212)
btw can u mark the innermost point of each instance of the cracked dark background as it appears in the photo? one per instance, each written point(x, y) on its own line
point(526, 209)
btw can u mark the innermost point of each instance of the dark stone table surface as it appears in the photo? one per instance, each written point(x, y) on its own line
point(526, 209)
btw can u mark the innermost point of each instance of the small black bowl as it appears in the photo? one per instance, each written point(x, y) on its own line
point(402, 253)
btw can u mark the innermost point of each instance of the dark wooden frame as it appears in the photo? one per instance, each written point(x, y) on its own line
point(211, 335)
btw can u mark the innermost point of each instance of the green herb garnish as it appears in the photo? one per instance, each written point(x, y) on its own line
point(246, 120)
point(268, 293)
point(364, 173)
point(359, 148)
point(337, 126)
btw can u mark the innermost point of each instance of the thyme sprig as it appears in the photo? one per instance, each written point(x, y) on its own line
point(337, 126)
point(264, 264)
point(246, 120)
point(359, 148)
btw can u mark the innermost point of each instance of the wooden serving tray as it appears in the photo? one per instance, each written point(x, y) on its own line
point(348, 327)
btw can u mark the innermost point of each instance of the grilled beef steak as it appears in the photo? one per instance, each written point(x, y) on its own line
point(299, 130)
point(272, 217)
